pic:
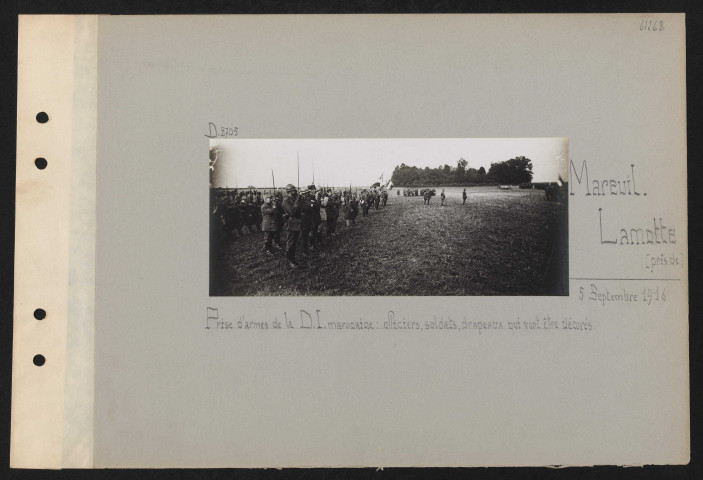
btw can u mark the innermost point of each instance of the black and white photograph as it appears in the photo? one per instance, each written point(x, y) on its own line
point(440, 217)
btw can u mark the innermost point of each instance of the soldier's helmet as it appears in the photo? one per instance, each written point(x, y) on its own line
point(290, 188)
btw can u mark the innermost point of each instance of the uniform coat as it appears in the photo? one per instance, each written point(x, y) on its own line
point(268, 213)
point(333, 208)
point(292, 209)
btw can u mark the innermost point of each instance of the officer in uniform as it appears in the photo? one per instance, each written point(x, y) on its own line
point(291, 207)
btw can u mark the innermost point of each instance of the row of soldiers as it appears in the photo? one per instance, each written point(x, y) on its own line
point(310, 216)
point(237, 210)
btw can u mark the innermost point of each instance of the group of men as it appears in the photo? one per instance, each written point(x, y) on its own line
point(310, 216)
point(238, 210)
point(428, 193)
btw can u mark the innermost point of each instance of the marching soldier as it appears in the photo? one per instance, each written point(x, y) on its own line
point(291, 206)
point(463, 196)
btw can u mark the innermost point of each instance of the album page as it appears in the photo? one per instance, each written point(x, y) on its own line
point(358, 240)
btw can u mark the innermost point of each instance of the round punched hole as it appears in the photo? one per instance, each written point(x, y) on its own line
point(42, 117)
point(41, 163)
point(39, 360)
point(40, 314)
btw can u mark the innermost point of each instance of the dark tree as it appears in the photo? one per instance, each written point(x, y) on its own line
point(406, 175)
point(512, 172)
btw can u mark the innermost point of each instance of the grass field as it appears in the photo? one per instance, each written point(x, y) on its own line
point(502, 242)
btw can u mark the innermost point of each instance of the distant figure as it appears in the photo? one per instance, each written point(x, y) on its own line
point(443, 197)
point(463, 196)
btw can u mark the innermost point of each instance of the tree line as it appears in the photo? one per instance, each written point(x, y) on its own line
point(510, 172)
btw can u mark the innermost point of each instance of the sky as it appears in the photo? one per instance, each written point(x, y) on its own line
point(360, 162)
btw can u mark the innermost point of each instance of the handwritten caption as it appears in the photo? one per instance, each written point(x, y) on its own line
point(316, 320)
point(654, 230)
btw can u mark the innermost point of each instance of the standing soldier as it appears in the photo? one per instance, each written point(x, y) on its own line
point(323, 198)
point(268, 224)
point(463, 196)
point(291, 207)
point(332, 214)
point(443, 197)
point(279, 220)
point(307, 221)
point(316, 216)
point(351, 211)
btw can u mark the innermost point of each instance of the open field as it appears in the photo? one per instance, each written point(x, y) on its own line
point(502, 242)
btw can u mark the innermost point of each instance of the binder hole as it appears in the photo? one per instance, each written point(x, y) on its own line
point(41, 163)
point(39, 360)
point(39, 314)
point(42, 117)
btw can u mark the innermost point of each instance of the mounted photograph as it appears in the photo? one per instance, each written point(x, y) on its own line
point(389, 217)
